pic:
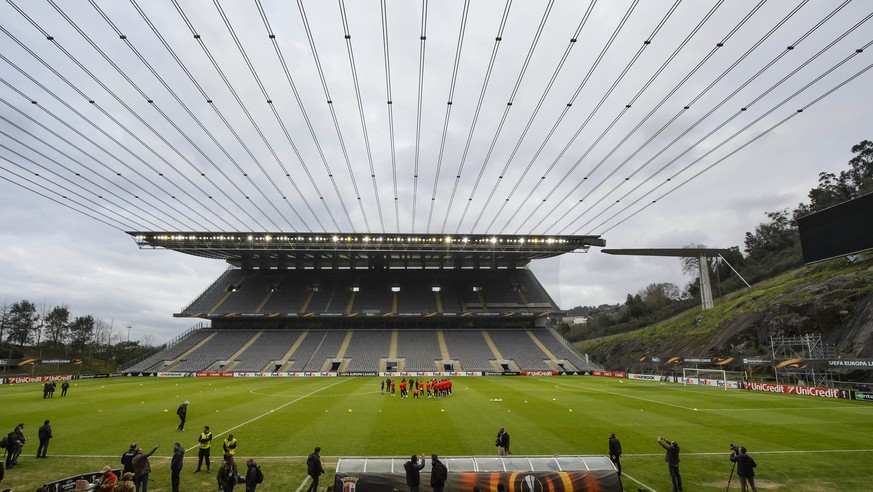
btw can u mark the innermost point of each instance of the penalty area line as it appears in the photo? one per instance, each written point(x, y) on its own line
point(280, 407)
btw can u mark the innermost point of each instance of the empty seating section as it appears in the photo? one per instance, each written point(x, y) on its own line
point(220, 347)
point(246, 295)
point(561, 351)
point(256, 291)
point(367, 348)
point(215, 292)
point(516, 345)
point(270, 346)
point(329, 343)
point(470, 349)
point(156, 361)
point(420, 348)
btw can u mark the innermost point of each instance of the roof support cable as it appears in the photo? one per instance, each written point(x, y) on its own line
point(749, 142)
point(336, 125)
point(560, 118)
point(622, 112)
point(462, 31)
point(486, 160)
point(646, 43)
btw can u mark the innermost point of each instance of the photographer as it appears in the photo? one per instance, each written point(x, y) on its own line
point(672, 459)
point(745, 468)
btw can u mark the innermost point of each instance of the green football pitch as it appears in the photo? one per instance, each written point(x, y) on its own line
point(799, 443)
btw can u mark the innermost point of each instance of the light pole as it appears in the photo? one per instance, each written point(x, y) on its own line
point(128, 333)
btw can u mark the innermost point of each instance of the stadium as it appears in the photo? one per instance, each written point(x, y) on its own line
point(398, 192)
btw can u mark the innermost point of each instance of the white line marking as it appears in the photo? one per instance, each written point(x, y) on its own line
point(641, 484)
point(302, 484)
point(280, 407)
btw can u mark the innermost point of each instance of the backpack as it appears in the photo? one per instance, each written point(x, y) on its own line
point(259, 475)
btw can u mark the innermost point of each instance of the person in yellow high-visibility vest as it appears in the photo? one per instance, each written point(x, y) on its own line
point(230, 445)
point(205, 441)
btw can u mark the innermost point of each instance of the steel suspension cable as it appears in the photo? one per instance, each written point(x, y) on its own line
point(462, 30)
point(503, 118)
point(646, 43)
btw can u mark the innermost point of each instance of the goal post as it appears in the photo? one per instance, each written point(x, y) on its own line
point(705, 377)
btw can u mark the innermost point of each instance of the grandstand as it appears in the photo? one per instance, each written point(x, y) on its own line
point(360, 304)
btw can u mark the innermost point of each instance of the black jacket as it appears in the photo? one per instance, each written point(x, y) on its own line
point(438, 474)
point(503, 440)
point(745, 465)
point(251, 476)
point(313, 465)
point(614, 447)
point(127, 459)
point(672, 455)
point(45, 432)
point(176, 460)
point(413, 478)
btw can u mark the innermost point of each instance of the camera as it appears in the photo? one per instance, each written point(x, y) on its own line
point(735, 448)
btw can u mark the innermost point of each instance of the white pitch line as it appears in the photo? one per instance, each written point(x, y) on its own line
point(302, 484)
point(558, 386)
point(641, 484)
point(280, 407)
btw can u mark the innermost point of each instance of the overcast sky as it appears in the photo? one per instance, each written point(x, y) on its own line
point(597, 130)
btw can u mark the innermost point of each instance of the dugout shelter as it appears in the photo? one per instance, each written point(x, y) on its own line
point(517, 473)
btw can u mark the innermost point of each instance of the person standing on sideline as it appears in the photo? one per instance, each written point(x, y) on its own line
point(615, 452)
point(176, 465)
point(502, 442)
point(64, 387)
point(672, 459)
point(127, 459)
point(45, 389)
point(413, 477)
point(254, 475)
point(205, 441)
point(745, 469)
point(438, 474)
point(14, 443)
point(228, 475)
point(314, 469)
point(142, 468)
point(182, 412)
point(44, 433)
point(230, 445)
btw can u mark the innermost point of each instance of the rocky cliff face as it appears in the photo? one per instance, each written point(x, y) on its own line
point(833, 299)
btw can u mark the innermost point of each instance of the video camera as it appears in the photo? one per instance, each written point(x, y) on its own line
point(735, 449)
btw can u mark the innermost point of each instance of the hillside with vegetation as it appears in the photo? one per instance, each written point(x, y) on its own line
point(833, 298)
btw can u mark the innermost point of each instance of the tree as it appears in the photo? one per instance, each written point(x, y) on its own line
point(773, 237)
point(834, 189)
point(635, 306)
point(57, 325)
point(81, 332)
point(22, 322)
point(657, 296)
point(862, 167)
point(4, 320)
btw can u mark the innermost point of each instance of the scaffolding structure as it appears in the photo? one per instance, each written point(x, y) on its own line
point(804, 349)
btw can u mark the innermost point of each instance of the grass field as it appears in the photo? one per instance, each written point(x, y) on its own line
point(799, 443)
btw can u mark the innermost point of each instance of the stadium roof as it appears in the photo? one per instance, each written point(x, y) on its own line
point(283, 250)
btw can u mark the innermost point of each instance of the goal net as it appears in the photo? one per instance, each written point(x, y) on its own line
point(709, 377)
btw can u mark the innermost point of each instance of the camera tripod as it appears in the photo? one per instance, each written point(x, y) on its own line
point(731, 476)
